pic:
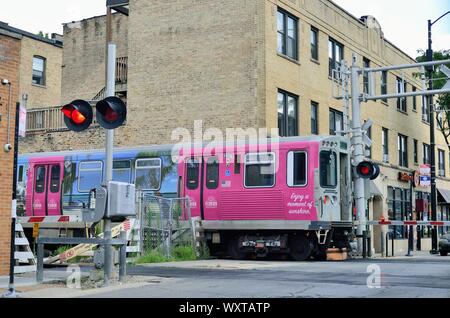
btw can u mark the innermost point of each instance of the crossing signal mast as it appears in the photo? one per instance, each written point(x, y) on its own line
point(358, 132)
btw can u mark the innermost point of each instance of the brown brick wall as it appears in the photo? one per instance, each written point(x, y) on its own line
point(9, 69)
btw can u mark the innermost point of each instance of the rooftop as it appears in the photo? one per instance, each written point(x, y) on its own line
point(55, 39)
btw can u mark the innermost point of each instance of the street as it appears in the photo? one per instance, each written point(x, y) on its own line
point(421, 276)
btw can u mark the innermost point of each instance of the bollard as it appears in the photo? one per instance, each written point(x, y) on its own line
point(40, 263)
point(123, 256)
point(392, 239)
point(382, 244)
point(364, 237)
point(369, 244)
point(387, 244)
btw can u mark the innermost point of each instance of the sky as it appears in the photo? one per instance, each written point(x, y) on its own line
point(404, 22)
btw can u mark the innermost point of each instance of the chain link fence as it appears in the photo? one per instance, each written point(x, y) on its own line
point(165, 224)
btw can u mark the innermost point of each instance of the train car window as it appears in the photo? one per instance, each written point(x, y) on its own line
point(90, 175)
point(259, 170)
point(148, 174)
point(192, 167)
point(212, 173)
point(297, 169)
point(55, 176)
point(328, 169)
point(40, 179)
point(20, 176)
point(122, 170)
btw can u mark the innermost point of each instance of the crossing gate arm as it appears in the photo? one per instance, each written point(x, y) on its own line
point(405, 223)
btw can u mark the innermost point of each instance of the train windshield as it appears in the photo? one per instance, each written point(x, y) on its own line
point(328, 169)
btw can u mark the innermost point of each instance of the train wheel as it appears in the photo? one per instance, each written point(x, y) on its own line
point(300, 248)
point(234, 249)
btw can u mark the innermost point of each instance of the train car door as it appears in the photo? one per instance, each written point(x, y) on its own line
point(329, 183)
point(46, 188)
point(192, 184)
point(210, 193)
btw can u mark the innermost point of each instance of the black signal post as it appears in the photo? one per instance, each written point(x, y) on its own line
point(434, 243)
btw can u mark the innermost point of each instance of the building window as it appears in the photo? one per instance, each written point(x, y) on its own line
point(90, 175)
point(402, 151)
point(287, 34)
point(425, 112)
point(401, 88)
point(335, 55)
point(314, 43)
point(414, 99)
point(416, 152)
point(426, 154)
point(336, 122)
point(399, 203)
point(287, 114)
point(384, 85)
point(148, 174)
point(39, 64)
point(259, 170)
point(441, 163)
point(314, 118)
point(385, 144)
point(366, 64)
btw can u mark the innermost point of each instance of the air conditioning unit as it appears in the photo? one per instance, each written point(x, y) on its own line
point(385, 158)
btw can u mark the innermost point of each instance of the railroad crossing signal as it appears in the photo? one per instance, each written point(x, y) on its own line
point(111, 113)
point(78, 115)
point(368, 170)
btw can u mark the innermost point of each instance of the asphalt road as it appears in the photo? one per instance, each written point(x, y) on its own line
point(421, 276)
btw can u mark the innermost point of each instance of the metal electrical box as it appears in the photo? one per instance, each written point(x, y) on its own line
point(121, 200)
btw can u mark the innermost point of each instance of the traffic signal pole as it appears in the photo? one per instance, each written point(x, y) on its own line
point(358, 151)
point(110, 91)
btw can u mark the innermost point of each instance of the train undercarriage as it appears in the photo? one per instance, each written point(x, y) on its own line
point(299, 245)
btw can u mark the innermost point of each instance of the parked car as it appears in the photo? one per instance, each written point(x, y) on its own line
point(444, 245)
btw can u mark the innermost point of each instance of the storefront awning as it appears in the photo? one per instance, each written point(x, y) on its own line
point(445, 195)
point(374, 190)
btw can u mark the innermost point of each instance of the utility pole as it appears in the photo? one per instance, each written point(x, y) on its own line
point(430, 69)
point(358, 151)
point(110, 91)
point(432, 141)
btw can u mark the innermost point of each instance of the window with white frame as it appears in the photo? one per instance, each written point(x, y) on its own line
point(148, 174)
point(90, 175)
point(259, 170)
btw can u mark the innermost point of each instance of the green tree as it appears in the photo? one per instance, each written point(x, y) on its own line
point(443, 100)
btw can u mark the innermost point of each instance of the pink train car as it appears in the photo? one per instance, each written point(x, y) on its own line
point(292, 196)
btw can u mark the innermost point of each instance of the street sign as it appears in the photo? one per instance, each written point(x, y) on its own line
point(425, 181)
point(425, 170)
point(444, 69)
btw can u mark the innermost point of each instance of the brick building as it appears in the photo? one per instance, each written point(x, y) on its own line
point(252, 63)
point(32, 66)
point(9, 69)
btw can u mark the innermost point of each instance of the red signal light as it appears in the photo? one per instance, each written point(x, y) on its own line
point(111, 112)
point(78, 115)
point(365, 170)
point(368, 170)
